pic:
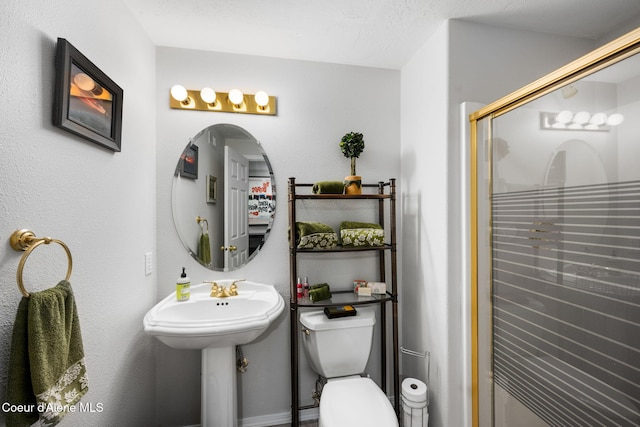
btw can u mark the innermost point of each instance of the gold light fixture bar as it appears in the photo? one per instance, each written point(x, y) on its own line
point(223, 104)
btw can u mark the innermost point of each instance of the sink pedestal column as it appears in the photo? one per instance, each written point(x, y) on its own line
point(219, 396)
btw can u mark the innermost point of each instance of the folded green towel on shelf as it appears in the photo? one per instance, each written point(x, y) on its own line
point(315, 235)
point(347, 225)
point(328, 187)
point(361, 234)
point(319, 292)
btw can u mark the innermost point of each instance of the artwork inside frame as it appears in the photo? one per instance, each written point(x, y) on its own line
point(212, 189)
point(189, 162)
point(87, 102)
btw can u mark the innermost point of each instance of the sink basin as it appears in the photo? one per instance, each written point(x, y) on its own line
point(210, 322)
point(215, 326)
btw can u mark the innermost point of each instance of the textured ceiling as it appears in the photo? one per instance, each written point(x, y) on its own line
point(378, 33)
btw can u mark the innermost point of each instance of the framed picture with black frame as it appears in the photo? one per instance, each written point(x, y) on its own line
point(87, 102)
point(189, 162)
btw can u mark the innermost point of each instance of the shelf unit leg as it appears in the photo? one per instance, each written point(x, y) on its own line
point(294, 369)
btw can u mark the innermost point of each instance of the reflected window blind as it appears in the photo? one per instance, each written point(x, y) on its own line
point(566, 302)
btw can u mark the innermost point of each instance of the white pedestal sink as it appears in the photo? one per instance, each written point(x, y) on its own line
point(215, 326)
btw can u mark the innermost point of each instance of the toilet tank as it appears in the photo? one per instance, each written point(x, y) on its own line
point(338, 347)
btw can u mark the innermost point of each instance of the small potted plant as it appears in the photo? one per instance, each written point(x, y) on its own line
point(352, 145)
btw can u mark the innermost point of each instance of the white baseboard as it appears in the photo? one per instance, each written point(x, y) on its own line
point(277, 419)
point(282, 418)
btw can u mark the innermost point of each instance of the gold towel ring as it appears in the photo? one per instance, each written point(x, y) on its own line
point(25, 240)
point(200, 219)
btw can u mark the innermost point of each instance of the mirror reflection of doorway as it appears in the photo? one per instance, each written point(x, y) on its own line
point(235, 247)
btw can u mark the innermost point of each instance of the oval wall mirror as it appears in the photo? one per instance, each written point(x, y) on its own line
point(223, 197)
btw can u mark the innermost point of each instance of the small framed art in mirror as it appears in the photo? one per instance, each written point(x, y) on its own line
point(87, 102)
point(189, 162)
point(212, 189)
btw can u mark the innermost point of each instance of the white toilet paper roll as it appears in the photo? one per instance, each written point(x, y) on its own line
point(414, 390)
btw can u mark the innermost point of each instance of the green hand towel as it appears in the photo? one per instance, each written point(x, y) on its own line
point(204, 249)
point(46, 364)
point(319, 292)
point(328, 187)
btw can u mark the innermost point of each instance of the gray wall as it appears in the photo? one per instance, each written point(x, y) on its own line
point(317, 104)
point(100, 203)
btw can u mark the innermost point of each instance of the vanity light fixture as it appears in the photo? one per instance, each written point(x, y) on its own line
point(234, 101)
point(582, 120)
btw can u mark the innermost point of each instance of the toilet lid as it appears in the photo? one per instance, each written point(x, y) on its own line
point(355, 402)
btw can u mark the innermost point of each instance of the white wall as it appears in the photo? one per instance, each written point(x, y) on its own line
point(102, 204)
point(424, 300)
point(317, 104)
point(461, 62)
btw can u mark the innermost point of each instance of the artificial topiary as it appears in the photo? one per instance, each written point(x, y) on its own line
point(352, 145)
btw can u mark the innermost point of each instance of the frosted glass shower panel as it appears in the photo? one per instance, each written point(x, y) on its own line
point(565, 268)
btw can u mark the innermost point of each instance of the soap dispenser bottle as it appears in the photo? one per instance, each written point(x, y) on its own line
point(183, 285)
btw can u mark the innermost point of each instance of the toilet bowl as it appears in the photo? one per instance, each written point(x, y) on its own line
point(355, 401)
point(338, 350)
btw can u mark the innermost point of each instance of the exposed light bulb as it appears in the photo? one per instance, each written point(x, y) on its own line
point(262, 98)
point(564, 116)
point(236, 96)
point(582, 117)
point(598, 119)
point(179, 93)
point(208, 95)
point(615, 119)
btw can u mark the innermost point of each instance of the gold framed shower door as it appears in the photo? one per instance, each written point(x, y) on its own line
point(482, 165)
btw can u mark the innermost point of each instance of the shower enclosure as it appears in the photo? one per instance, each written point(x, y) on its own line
point(556, 247)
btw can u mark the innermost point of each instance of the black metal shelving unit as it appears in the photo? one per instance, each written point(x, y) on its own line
point(383, 192)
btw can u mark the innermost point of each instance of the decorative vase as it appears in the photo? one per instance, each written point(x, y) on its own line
point(353, 184)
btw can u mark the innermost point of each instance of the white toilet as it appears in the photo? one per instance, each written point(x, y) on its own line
point(338, 349)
